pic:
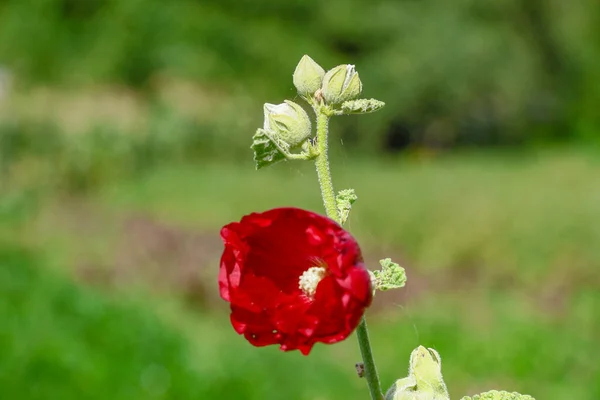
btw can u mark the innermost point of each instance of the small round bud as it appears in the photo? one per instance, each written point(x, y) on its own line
point(341, 84)
point(288, 121)
point(308, 76)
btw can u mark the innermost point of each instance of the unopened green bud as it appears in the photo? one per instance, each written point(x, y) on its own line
point(424, 380)
point(287, 121)
point(341, 84)
point(308, 76)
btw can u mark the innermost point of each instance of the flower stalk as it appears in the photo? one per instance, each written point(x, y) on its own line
point(322, 164)
point(371, 375)
point(328, 195)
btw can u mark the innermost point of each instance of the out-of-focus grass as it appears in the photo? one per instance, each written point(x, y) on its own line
point(59, 341)
point(500, 253)
point(506, 218)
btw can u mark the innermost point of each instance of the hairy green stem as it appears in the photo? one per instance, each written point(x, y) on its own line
point(328, 194)
point(322, 163)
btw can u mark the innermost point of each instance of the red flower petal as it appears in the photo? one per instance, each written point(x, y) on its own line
point(265, 256)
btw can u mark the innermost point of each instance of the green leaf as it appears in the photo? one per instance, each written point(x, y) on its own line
point(391, 275)
point(361, 106)
point(499, 395)
point(266, 152)
point(344, 201)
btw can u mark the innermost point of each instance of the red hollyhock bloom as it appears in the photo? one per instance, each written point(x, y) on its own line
point(293, 278)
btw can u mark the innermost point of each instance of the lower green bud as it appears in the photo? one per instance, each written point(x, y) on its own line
point(287, 121)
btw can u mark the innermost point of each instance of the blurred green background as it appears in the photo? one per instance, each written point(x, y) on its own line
point(125, 128)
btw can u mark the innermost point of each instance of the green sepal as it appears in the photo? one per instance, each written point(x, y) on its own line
point(266, 152)
point(344, 201)
point(361, 106)
point(391, 275)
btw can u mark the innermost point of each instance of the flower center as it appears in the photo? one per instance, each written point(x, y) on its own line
point(310, 279)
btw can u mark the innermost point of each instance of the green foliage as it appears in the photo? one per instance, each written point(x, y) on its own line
point(26, 140)
point(467, 72)
point(58, 341)
point(44, 156)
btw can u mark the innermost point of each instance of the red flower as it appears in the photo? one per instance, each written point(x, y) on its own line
point(293, 278)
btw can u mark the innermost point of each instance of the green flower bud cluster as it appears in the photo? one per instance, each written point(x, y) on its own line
point(335, 86)
point(287, 127)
